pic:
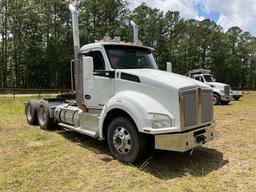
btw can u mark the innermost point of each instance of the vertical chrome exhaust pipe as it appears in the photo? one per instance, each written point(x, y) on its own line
point(77, 64)
point(75, 29)
point(135, 31)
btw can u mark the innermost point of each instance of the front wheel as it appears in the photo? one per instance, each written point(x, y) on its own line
point(215, 99)
point(124, 141)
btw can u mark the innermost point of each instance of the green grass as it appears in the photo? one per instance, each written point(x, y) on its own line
point(32, 159)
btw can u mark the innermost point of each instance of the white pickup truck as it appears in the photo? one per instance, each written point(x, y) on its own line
point(222, 93)
point(122, 97)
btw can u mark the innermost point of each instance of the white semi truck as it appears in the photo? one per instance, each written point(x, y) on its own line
point(222, 93)
point(122, 97)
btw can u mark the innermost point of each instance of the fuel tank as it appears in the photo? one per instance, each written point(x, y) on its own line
point(68, 114)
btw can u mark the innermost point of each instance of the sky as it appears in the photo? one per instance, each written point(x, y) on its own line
point(227, 13)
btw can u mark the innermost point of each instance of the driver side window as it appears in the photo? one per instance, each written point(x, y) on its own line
point(98, 60)
point(199, 78)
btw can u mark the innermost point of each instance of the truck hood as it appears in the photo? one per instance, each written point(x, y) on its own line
point(156, 91)
point(166, 79)
point(217, 84)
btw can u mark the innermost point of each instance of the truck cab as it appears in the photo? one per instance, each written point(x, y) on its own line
point(122, 97)
point(222, 93)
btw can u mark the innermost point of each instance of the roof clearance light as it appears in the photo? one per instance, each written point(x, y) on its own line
point(116, 39)
point(106, 39)
point(138, 42)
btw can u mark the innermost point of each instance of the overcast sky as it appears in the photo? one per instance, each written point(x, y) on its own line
point(226, 13)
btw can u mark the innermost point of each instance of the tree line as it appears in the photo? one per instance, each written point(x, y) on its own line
point(36, 41)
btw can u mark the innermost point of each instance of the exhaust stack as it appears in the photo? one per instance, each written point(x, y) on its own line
point(169, 66)
point(77, 65)
point(135, 31)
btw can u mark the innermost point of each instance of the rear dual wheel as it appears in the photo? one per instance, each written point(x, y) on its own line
point(38, 113)
point(31, 112)
point(43, 116)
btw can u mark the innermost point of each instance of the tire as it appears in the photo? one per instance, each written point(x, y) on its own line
point(236, 98)
point(225, 102)
point(43, 116)
point(31, 112)
point(124, 141)
point(215, 99)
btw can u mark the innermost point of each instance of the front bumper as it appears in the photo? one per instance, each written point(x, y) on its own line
point(184, 141)
point(226, 97)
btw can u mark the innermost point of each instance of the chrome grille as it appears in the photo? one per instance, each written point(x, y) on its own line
point(190, 108)
point(206, 106)
point(227, 90)
point(196, 108)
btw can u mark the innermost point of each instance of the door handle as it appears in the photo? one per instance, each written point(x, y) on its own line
point(87, 97)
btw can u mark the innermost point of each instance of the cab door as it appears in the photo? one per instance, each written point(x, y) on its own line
point(99, 89)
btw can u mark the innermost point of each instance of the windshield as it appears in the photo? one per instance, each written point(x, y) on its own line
point(130, 57)
point(209, 78)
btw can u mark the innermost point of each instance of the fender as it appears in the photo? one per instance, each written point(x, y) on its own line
point(137, 105)
point(217, 91)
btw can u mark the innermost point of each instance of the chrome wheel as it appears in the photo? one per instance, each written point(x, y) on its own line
point(122, 140)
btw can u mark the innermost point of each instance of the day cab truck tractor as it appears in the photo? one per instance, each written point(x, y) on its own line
point(122, 97)
point(237, 95)
point(221, 92)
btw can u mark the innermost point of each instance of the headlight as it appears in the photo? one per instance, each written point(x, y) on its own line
point(222, 92)
point(159, 120)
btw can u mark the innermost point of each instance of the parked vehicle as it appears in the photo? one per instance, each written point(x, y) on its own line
point(221, 92)
point(122, 97)
point(237, 95)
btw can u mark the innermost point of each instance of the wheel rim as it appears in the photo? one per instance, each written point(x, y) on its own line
point(42, 115)
point(29, 112)
point(122, 140)
point(214, 100)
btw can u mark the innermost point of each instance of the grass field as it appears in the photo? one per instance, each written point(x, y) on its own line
point(32, 159)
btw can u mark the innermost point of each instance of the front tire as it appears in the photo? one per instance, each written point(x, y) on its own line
point(236, 98)
point(215, 99)
point(124, 141)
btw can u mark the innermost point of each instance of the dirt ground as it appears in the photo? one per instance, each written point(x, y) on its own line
point(32, 159)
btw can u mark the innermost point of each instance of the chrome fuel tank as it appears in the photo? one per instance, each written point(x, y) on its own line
point(67, 114)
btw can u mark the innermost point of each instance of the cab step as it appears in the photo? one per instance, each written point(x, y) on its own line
point(79, 129)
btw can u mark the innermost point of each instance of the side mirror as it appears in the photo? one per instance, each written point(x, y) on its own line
point(87, 67)
point(169, 67)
